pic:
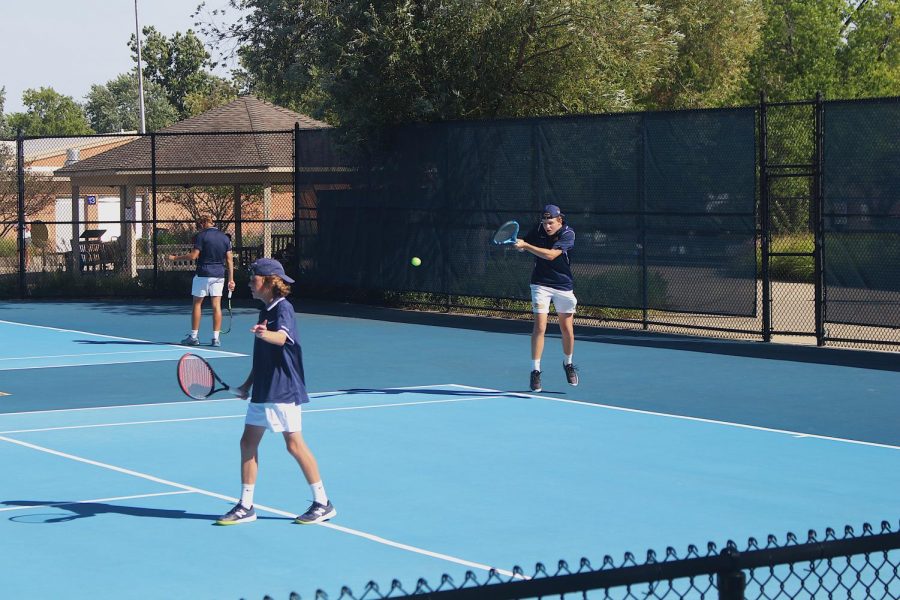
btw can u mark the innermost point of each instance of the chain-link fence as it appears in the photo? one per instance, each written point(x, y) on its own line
point(837, 565)
point(753, 223)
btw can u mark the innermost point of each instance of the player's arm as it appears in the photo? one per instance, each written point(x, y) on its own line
point(243, 390)
point(276, 338)
point(229, 264)
point(194, 254)
point(545, 253)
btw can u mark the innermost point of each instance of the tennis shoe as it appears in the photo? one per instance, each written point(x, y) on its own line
point(536, 381)
point(316, 514)
point(190, 341)
point(216, 342)
point(571, 373)
point(236, 515)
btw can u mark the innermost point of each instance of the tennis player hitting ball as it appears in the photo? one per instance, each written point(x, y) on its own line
point(279, 388)
point(551, 281)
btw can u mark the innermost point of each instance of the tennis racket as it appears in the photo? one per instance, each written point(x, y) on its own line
point(506, 233)
point(197, 379)
point(228, 308)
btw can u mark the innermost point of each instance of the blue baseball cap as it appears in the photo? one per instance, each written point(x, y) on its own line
point(552, 211)
point(269, 266)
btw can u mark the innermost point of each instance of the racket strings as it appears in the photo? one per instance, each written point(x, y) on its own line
point(195, 376)
point(506, 232)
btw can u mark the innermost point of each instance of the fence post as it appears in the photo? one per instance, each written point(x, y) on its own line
point(732, 583)
point(819, 224)
point(295, 180)
point(764, 220)
point(20, 208)
point(155, 224)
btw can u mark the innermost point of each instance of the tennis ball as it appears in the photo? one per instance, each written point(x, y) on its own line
point(416, 261)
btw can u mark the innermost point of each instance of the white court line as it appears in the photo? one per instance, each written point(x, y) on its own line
point(96, 500)
point(241, 416)
point(797, 434)
point(233, 399)
point(196, 490)
point(163, 349)
point(100, 335)
point(107, 362)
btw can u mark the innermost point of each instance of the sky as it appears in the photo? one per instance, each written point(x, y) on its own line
point(70, 45)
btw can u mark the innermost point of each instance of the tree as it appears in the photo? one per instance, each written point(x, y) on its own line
point(49, 113)
point(214, 91)
point(4, 132)
point(178, 65)
point(35, 200)
point(218, 202)
point(114, 106)
point(717, 39)
point(800, 49)
point(870, 60)
point(368, 65)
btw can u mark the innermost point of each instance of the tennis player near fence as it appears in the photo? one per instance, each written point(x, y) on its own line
point(551, 281)
point(212, 251)
point(278, 389)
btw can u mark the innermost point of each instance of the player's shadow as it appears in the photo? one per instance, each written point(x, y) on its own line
point(82, 510)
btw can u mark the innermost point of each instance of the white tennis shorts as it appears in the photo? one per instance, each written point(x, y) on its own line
point(542, 296)
point(207, 286)
point(274, 416)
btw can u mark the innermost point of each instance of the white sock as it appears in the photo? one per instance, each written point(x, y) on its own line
point(215, 335)
point(536, 365)
point(247, 495)
point(194, 333)
point(568, 360)
point(318, 490)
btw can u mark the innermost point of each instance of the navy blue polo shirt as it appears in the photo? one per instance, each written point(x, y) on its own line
point(556, 273)
point(278, 370)
point(213, 245)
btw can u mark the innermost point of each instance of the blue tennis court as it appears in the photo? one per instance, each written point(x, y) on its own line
point(436, 457)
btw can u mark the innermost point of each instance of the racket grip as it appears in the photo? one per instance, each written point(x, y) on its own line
point(229, 294)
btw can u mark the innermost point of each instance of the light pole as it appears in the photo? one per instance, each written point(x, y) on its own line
point(140, 70)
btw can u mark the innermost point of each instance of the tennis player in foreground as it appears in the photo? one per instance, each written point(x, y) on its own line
point(279, 389)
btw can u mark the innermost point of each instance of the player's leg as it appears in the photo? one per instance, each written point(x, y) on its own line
point(540, 307)
point(216, 302)
point(243, 511)
point(321, 509)
point(565, 303)
point(198, 291)
point(196, 313)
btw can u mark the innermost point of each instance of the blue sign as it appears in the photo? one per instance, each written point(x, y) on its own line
point(92, 199)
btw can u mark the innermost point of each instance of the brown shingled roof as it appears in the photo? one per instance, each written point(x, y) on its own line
point(186, 157)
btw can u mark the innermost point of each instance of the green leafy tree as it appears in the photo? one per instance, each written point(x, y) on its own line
point(716, 40)
point(49, 113)
point(214, 92)
point(799, 53)
point(114, 106)
point(365, 65)
point(178, 64)
point(870, 60)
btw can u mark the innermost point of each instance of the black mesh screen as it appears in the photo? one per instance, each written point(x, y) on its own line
point(662, 205)
point(862, 212)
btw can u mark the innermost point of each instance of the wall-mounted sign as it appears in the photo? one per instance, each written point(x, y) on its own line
point(91, 199)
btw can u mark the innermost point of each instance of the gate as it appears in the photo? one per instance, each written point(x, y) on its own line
point(790, 175)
